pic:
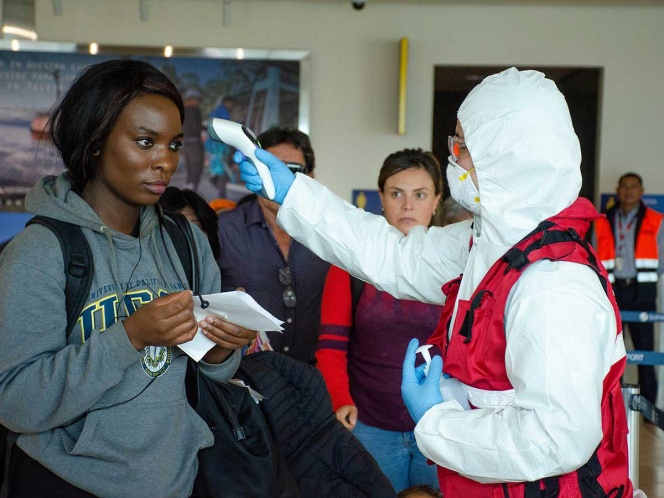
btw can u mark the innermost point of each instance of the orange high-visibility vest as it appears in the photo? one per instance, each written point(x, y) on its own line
point(646, 251)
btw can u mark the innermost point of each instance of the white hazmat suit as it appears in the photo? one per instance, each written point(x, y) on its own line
point(560, 326)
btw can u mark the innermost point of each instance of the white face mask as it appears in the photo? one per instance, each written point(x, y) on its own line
point(462, 188)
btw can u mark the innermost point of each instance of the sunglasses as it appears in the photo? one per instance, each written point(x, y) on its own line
point(297, 168)
point(289, 294)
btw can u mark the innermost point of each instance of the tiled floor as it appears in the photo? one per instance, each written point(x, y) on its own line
point(651, 460)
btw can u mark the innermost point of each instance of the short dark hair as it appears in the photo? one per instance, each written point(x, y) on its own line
point(86, 114)
point(175, 199)
point(420, 489)
point(453, 212)
point(631, 174)
point(411, 158)
point(296, 138)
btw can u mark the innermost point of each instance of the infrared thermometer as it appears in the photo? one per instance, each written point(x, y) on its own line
point(243, 139)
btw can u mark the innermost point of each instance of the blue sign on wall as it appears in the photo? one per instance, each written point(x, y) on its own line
point(368, 200)
point(654, 201)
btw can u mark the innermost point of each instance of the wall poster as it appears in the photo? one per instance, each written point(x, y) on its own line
point(654, 201)
point(259, 88)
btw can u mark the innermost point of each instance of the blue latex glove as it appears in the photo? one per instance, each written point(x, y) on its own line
point(420, 392)
point(281, 175)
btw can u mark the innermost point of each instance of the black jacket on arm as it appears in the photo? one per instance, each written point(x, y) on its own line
point(325, 458)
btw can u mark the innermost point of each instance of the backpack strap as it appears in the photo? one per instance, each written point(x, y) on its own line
point(79, 269)
point(179, 230)
point(356, 287)
point(547, 241)
point(78, 264)
point(182, 236)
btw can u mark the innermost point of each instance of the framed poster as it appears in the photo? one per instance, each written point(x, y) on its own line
point(259, 88)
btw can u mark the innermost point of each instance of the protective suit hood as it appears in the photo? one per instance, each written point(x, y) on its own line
point(527, 159)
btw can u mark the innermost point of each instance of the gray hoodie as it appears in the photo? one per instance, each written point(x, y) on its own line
point(106, 418)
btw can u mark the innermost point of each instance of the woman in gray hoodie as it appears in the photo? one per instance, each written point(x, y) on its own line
point(102, 410)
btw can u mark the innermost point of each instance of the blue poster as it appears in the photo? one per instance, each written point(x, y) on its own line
point(654, 201)
point(367, 200)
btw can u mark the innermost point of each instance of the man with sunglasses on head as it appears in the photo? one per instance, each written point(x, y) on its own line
point(282, 275)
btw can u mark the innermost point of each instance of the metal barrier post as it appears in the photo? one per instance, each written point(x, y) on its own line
point(633, 419)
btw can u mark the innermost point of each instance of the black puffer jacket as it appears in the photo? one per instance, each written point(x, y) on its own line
point(325, 458)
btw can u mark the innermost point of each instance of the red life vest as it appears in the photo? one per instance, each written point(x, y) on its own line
point(475, 354)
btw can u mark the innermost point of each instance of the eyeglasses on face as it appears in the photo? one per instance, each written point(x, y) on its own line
point(289, 293)
point(455, 145)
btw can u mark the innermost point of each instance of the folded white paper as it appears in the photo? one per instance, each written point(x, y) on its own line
point(235, 307)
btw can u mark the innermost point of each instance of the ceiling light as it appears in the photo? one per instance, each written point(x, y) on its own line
point(16, 31)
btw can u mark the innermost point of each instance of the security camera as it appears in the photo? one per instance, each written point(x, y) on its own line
point(358, 4)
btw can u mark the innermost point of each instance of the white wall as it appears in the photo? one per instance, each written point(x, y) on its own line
point(354, 61)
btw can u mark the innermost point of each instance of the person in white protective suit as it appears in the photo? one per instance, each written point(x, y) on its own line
point(543, 376)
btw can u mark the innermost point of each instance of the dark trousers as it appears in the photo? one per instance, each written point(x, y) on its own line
point(642, 334)
point(29, 479)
